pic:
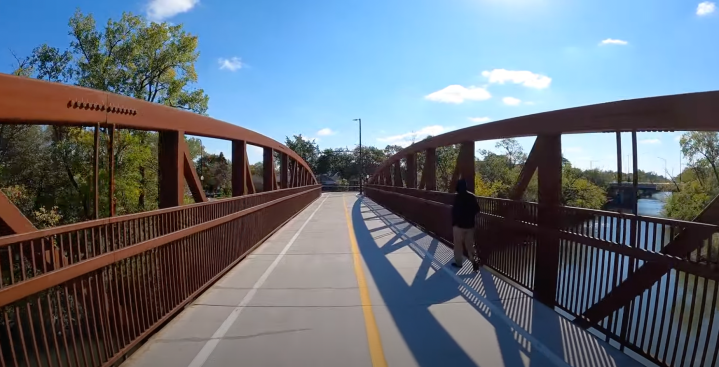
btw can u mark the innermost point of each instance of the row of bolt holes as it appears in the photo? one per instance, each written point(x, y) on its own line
point(98, 107)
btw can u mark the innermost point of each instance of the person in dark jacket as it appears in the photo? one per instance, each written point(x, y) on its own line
point(464, 210)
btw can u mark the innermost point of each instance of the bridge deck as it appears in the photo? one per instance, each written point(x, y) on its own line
point(311, 296)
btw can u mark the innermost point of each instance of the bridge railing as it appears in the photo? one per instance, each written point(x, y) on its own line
point(671, 322)
point(123, 277)
point(650, 285)
point(86, 294)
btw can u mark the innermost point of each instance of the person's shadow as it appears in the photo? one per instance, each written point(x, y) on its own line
point(428, 341)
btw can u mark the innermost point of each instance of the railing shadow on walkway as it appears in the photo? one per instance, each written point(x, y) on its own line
point(423, 333)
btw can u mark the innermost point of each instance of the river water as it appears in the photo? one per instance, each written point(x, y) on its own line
point(653, 207)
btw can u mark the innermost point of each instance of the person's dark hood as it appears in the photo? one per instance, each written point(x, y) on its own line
point(461, 186)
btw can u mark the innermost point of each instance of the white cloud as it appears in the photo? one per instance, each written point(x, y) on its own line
point(326, 131)
point(231, 64)
point(526, 78)
point(160, 10)
point(457, 94)
point(480, 120)
point(511, 101)
point(610, 41)
point(706, 7)
point(650, 141)
point(407, 138)
point(572, 150)
point(677, 138)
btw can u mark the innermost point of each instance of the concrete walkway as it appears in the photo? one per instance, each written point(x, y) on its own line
point(346, 283)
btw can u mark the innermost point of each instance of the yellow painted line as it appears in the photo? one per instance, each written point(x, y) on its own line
point(373, 339)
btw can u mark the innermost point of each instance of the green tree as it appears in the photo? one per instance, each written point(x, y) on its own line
point(446, 162)
point(701, 148)
point(217, 173)
point(391, 150)
point(687, 203)
point(151, 61)
point(325, 162)
point(578, 191)
point(498, 170)
point(372, 158)
point(512, 151)
point(307, 150)
point(257, 168)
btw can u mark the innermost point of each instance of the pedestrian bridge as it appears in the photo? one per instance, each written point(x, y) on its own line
point(287, 275)
point(348, 283)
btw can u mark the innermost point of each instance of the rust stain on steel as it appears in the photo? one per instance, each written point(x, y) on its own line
point(12, 217)
point(32, 101)
point(31, 286)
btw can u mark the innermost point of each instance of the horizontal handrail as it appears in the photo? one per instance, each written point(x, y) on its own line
point(23, 289)
point(625, 216)
point(10, 239)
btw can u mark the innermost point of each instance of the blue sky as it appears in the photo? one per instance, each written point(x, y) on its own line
point(410, 68)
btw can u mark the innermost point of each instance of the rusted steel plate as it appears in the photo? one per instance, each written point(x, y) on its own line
point(25, 100)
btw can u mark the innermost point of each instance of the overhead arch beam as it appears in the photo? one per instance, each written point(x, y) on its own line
point(32, 101)
point(688, 112)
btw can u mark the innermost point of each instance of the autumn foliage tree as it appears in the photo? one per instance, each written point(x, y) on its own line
point(51, 165)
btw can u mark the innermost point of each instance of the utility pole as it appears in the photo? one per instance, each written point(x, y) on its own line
point(666, 172)
point(361, 170)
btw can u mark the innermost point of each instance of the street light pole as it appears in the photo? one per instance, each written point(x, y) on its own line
point(665, 166)
point(360, 156)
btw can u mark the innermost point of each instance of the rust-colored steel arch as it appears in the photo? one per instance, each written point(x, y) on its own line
point(160, 260)
point(31, 101)
point(530, 242)
point(687, 112)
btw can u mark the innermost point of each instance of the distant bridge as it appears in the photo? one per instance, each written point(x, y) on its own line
point(645, 186)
